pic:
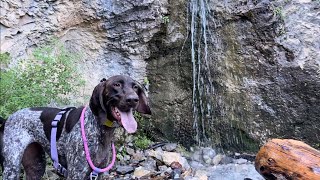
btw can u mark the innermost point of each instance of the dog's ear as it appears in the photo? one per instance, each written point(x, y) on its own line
point(143, 106)
point(96, 101)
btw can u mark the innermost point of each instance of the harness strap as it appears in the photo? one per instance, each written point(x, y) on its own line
point(53, 143)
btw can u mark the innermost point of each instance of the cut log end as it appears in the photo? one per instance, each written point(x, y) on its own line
point(288, 159)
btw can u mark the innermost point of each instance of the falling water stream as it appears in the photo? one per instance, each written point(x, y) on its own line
point(202, 83)
point(217, 116)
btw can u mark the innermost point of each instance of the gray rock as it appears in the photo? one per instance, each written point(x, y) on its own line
point(201, 174)
point(130, 151)
point(197, 156)
point(233, 172)
point(156, 154)
point(140, 171)
point(162, 168)
point(169, 147)
point(240, 161)
point(149, 164)
point(196, 165)
point(217, 159)
point(124, 169)
point(129, 139)
point(126, 158)
point(208, 154)
point(226, 160)
point(169, 157)
point(138, 156)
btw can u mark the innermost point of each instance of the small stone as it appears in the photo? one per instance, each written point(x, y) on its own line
point(196, 156)
point(126, 158)
point(162, 168)
point(208, 154)
point(240, 161)
point(141, 171)
point(175, 165)
point(129, 139)
point(156, 154)
point(130, 151)
point(124, 169)
point(149, 164)
point(217, 159)
point(138, 156)
point(190, 178)
point(201, 175)
point(169, 147)
point(176, 174)
point(119, 157)
point(169, 157)
point(226, 160)
point(196, 165)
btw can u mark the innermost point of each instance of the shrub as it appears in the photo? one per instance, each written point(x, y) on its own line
point(48, 76)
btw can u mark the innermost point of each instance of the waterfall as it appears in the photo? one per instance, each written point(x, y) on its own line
point(202, 84)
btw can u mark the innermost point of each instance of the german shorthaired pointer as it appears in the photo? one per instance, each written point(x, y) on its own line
point(26, 135)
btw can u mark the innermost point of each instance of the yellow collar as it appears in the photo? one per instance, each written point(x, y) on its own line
point(112, 124)
point(108, 123)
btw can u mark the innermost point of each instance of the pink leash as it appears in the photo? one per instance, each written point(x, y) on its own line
point(86, 149)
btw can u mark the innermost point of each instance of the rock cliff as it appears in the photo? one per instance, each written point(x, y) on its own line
point(263, 57)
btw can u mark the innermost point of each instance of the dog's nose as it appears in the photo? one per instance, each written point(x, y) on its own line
point(132, 100)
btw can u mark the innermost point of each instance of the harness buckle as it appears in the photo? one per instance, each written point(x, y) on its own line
point(93, 175)
point(60, 169)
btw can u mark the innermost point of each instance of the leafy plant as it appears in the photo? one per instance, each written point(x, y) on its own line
point(48, 76)
point(142, 141)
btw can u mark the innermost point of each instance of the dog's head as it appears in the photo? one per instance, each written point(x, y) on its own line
point(116, 99)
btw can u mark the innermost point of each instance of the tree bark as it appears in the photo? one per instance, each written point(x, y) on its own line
point(288, 159)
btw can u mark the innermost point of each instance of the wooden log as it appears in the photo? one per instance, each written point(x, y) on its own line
point(288, 159)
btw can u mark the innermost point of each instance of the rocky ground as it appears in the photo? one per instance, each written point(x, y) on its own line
point(171, 161)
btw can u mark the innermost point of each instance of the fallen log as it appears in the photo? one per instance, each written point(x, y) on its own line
point(288, 159)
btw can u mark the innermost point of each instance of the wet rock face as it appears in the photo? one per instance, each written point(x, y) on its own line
point(263, 58)
point(267, 71)
point(170, 75)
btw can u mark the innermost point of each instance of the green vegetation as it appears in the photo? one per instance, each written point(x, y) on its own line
point(278, 11)
point(46, 77)
point(4, 58)
point(165, 19)
point(142, 141)
point(146, 81)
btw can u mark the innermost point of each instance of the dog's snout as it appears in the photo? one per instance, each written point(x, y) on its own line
point(132, 99)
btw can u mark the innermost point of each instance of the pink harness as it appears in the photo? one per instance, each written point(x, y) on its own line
point(96, 171)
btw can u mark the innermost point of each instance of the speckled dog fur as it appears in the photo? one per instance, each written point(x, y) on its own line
point(26, 132)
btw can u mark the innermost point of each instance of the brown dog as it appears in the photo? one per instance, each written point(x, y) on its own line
point(26, 135)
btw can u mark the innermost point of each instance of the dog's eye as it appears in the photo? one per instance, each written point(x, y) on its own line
point(116, 84)
point(135, 87)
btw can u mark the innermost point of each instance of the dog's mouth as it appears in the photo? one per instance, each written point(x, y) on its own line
point(126, 119)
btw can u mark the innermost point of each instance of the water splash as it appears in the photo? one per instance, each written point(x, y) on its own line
point(202, 84)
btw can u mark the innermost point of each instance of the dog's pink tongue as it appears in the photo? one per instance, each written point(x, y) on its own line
point(128, 121)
